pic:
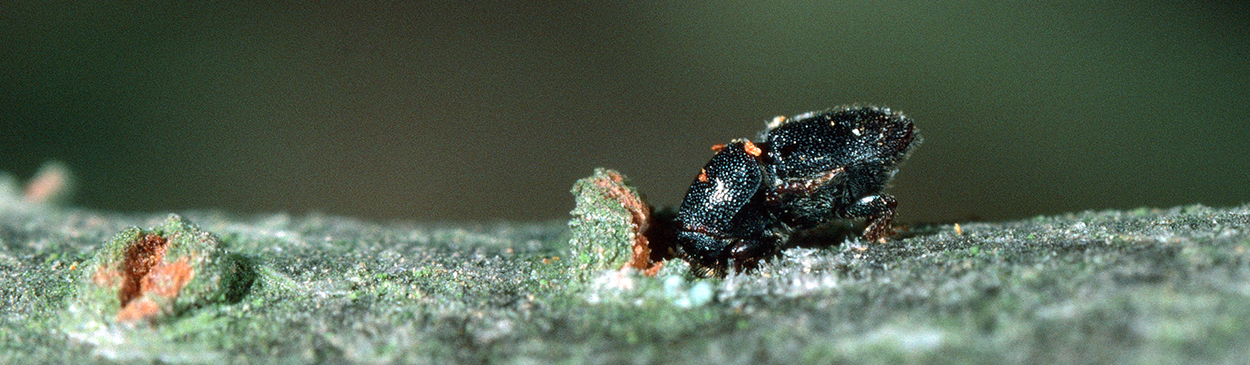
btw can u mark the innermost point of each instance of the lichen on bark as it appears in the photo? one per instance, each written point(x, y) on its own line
point(159, 273)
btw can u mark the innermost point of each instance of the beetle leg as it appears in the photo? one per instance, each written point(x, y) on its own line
point(748, 252)
point(877, 210)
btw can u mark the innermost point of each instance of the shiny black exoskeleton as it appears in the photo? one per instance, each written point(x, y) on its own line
point(807, 171)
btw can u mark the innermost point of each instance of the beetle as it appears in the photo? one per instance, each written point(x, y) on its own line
point(726, 213)
point(804, 172)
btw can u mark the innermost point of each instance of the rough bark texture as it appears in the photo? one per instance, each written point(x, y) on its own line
point(1146, 285)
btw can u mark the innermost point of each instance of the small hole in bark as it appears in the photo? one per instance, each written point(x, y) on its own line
point(141, 256)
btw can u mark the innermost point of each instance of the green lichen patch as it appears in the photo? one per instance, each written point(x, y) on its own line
point(150, 275)
point(610, 226)
point(1141, 286)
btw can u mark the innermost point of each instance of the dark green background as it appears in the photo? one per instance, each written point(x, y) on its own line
point(479, 110)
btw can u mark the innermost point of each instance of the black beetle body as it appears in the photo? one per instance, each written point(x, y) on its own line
point(807, 171)
point(724, 214)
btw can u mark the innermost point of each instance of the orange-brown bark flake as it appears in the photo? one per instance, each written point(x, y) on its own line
point(141, 256)
point(143, 271)
point(138, 309)
point(640, 214)
point(751, 148)
point(166, 279)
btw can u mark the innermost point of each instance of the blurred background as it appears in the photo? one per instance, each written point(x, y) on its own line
point(481, 110)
